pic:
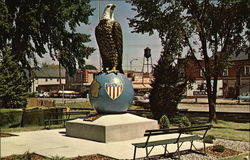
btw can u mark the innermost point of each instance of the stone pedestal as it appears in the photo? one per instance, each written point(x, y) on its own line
point(110, 128)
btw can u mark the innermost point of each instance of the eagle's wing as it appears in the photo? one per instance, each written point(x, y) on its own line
point(117, 35)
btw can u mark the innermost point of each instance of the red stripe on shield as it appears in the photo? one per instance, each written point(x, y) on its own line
point(113, 90)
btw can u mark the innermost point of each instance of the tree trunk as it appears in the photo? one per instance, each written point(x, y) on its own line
point(212, 112)
point(211, 102)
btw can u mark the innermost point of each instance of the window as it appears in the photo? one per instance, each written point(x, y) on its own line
point(225, 72)
point(201, 73)
point(247, 70)
point(81, 76)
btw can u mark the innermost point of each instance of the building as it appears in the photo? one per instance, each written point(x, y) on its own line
point(81, 81)
point(47, 79)
point(234, 80)
point(140, 81)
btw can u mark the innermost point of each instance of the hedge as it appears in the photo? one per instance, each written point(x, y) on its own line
point(13, 118)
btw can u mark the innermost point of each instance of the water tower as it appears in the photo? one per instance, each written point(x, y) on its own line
point(146, 58)
point(147, 62)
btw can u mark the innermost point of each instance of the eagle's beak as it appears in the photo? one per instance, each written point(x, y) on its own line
point(113, 6)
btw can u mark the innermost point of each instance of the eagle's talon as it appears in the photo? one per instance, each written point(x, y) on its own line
point(113, 70)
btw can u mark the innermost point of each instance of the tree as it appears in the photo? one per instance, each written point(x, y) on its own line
point(210, 30)
point(167, 88)
point(14, 83)
point(33, 28)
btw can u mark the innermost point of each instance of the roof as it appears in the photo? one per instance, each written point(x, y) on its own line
point(142, 86)
point(242, 56)
point(49, 72)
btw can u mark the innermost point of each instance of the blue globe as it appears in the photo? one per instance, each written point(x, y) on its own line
point(111, 93)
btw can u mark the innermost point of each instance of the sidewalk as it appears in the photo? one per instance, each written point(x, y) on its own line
point(218, 100)
point(219, 108)
point(54, 142)
point(223, 105)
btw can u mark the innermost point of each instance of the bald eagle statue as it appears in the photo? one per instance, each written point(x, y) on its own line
point(109, 39)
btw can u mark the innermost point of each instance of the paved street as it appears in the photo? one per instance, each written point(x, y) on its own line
point(223, 105)
point(219, 107)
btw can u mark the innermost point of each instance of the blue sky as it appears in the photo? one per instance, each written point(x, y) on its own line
point(133, 43)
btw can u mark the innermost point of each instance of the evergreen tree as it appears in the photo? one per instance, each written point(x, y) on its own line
point(14, 84)
point(167, 88)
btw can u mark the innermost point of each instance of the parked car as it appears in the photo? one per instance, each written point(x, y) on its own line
point(246, 97)
point(43, 94)
point(141, 101)
point(65, 94)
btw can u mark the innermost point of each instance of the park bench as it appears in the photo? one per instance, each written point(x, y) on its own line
point(179, 139)
point(66, 117)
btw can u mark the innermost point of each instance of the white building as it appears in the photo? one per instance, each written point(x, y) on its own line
point(47, 79)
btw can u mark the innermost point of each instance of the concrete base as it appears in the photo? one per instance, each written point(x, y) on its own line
point(110, 128)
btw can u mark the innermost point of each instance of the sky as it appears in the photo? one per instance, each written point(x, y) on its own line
point(133, 43)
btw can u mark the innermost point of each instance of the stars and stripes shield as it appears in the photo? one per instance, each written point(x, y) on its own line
point(114, 90)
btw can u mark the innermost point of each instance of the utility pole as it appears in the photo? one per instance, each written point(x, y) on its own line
point(60, 77)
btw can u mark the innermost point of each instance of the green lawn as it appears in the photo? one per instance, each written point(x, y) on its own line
point(229, 130)
point(75, 105)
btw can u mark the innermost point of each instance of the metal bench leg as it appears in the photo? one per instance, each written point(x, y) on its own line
point(45, 125)
point(147, 152)
point(49, 124)
point(165, 150)
point(178, 151)
point(191, 145)
point(134, 152)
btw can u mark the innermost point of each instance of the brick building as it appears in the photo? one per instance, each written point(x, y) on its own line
point(233, 81)
point(81, 80)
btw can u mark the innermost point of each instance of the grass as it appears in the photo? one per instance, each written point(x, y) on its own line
point(238, 157)
point(75, 105)
point(2, 110)
point(229, 130)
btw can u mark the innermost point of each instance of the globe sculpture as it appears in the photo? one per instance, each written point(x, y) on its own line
point(111, 93)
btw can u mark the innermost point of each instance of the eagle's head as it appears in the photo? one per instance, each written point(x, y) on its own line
point(109, 12)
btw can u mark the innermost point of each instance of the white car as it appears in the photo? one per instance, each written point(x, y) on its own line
point(43, 94)
point(246, 97)
point(141, 101)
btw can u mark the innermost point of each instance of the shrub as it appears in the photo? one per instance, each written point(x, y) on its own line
point(10, 117)
point(164, 122)
point(26, 156)
point(184, 122)
point(218, 148)
point(209, 139)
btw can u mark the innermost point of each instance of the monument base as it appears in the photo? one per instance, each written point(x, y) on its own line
point(110, 128)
